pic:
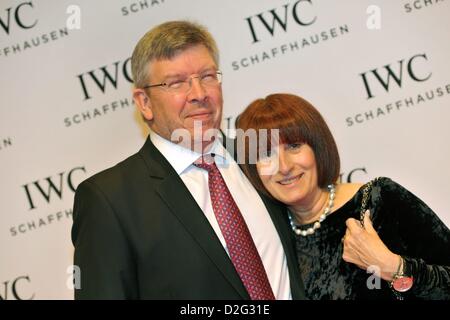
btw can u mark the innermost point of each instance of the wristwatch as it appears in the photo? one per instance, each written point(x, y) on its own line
point(402, 280)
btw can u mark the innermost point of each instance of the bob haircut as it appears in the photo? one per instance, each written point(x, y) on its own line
point(298, 122)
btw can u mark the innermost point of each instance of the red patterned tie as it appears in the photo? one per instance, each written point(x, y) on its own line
point(241, 247)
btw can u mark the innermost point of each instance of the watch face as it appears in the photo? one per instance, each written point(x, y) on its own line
point(402, 284)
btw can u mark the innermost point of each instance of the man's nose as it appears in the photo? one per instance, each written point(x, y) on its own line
point(196, 91)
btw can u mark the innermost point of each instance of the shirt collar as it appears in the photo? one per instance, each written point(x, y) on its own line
point(181, 158)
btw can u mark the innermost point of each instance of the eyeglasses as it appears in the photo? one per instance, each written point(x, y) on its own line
point(209, 79)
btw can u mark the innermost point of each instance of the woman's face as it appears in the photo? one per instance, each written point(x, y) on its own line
point(290, 173)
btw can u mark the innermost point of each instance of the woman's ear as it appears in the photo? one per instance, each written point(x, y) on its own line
point(142, 101)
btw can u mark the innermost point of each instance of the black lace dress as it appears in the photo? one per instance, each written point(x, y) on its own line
point(406, 225)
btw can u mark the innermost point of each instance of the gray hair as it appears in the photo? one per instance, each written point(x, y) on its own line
point(164, 42)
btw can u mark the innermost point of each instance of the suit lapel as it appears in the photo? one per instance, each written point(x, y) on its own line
point(179, 200)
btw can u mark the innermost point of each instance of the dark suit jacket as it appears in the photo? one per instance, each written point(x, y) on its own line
point(139, 234)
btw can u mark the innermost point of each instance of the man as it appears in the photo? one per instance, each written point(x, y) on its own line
point(154, 226)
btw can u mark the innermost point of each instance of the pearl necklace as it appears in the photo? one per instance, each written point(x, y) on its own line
point(323, 216)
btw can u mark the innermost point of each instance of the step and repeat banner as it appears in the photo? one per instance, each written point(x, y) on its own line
point(378, 71)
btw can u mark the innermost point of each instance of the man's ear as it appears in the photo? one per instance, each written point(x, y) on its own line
point(142, 101)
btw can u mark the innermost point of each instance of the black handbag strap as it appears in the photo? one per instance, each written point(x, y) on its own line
point(365, 199)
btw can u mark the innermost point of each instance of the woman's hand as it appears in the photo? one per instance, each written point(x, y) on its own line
point(363, 247)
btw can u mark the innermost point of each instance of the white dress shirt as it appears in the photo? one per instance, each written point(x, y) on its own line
point(253, 210)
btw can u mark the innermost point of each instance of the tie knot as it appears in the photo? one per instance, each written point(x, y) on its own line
point(206, 162)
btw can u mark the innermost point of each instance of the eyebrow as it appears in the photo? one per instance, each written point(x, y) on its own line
point(177, 75)
point(172, 76)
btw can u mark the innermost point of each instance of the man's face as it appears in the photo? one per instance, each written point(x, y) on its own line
point(170, 110)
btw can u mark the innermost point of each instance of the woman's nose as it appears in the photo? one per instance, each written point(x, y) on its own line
point(284, 162)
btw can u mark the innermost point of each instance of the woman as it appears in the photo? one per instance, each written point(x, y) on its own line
point(339, 245)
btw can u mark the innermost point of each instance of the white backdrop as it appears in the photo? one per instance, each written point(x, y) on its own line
point(379, 74)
